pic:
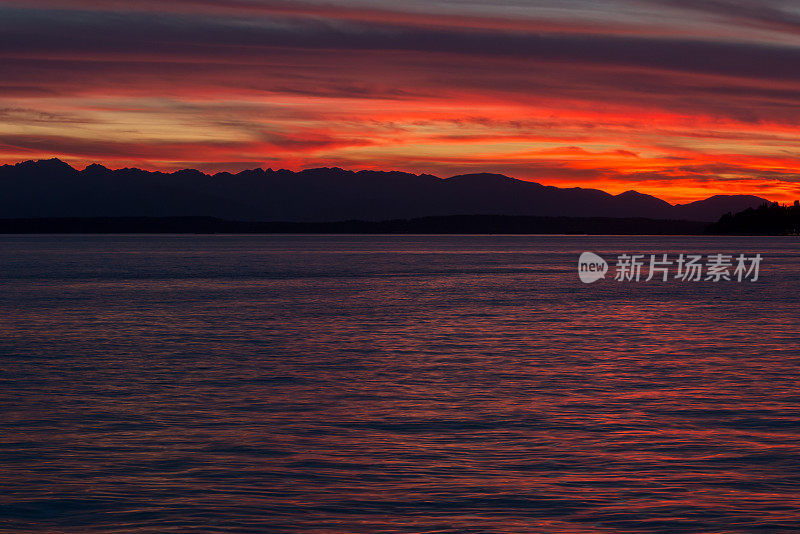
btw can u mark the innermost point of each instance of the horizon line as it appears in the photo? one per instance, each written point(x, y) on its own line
point(362, 170)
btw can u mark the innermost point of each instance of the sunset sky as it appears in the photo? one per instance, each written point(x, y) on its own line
point(677, 98)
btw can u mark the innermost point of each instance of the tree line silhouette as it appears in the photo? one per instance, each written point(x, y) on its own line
point(767, 219)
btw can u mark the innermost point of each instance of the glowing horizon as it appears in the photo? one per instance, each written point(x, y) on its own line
point(680, 100)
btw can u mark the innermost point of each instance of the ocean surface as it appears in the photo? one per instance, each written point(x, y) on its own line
point(393, 384)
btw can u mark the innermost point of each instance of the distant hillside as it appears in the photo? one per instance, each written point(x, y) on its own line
point(454, 224)
point(767, 219)
point(51, 188)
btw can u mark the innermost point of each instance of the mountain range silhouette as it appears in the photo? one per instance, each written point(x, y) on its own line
point(52, 188)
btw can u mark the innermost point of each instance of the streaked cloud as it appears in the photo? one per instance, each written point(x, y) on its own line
point(672, 97)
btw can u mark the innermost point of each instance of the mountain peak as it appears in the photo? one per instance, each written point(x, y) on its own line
point(482, 176)
point(189, 173)
point(631, 193)
point(50, 165)
point(654, 206)
point(96, 167)
point(484, 179)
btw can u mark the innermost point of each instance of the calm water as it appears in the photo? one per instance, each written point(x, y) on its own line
point(393, 384)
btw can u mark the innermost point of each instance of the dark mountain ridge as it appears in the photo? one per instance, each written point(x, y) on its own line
point(52, 188)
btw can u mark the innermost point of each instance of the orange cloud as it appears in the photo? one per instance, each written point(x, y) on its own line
point(611, 105)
